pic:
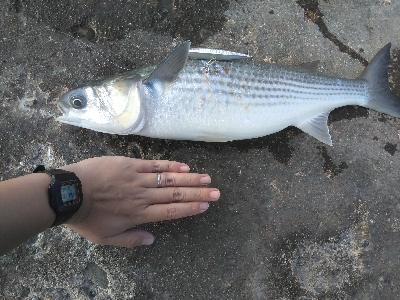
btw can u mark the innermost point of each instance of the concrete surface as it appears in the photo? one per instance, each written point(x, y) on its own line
point(296, 220)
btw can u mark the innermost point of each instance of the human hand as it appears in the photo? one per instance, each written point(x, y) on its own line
point(121, 192)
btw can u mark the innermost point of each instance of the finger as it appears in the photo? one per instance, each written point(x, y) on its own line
point(181, 194)
point(174, 179)
point(161, 212)
point(158, 166)
point(129, 239)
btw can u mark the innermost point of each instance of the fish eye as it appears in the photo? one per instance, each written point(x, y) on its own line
point(77, 101)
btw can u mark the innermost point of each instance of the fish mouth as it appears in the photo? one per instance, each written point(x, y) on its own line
point(64, 111)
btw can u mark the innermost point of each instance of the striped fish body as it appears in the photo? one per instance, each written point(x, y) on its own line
point(219, 101)
point(231, 100)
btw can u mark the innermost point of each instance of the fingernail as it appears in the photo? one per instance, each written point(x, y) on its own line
point(205, 180)
point(148, 241)
point(185, 168)
point(203, 206)
point(214, 195)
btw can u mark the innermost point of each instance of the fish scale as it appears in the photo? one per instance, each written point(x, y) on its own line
point(222, 100)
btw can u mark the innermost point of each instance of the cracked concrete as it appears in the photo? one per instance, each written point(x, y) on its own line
point(297, 219)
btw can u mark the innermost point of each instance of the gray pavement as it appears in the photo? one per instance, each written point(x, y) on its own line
point(296, 220)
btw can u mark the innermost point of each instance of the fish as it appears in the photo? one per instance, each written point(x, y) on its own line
point(218, 97)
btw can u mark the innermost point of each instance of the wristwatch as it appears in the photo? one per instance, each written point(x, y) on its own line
point(65, 193)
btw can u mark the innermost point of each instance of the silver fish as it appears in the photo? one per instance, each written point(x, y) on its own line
point(219, 101)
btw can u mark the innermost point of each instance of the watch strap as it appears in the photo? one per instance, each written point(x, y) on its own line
point(64, 215)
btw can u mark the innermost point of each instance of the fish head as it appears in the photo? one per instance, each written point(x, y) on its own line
point(110, 106)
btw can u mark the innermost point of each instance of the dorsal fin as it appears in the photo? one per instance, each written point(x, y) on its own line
point(310, 66)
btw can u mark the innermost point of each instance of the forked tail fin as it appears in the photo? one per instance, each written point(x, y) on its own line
point(376, 75)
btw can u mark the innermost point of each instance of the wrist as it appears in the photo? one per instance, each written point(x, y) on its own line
point(64, 193)
point(84, 210)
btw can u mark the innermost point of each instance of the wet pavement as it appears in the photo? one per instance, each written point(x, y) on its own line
point(296, 220)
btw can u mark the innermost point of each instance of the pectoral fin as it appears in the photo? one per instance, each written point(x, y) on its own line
point(317, 127)
point(168, 70)
point(208, 54)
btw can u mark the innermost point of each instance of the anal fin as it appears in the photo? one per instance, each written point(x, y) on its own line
point(317, 127)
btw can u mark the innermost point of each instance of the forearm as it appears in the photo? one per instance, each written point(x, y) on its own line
point(24, 209)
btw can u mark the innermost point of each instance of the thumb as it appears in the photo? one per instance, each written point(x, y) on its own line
point(130, 239)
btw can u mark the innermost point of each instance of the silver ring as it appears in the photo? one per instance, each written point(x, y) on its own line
point(158, 180)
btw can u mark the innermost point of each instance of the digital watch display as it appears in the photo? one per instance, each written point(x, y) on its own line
point(68, 193)
point(65, 193)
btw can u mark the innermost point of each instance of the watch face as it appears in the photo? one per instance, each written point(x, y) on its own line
point(68, 193)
